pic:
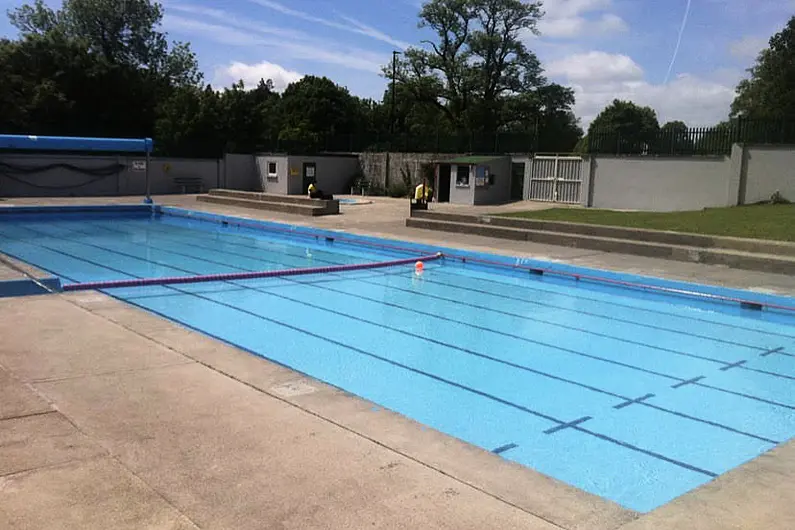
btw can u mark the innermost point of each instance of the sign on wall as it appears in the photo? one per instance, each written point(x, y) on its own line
point(139, 165)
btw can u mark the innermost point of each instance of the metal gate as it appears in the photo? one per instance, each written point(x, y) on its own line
point(556, 179)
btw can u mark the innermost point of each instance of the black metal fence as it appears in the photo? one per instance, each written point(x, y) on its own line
point(692, 141)
point(499, 143)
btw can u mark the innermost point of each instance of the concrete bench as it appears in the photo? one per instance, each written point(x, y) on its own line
point(293, 204)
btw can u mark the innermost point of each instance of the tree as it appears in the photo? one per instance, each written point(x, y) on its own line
point(190, 123)
point(123, 33)
point(623, 128)
point(314, 109)
point(770, 91)
point(478, 61)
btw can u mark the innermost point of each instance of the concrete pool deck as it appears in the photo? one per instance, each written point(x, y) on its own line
point(111, 417)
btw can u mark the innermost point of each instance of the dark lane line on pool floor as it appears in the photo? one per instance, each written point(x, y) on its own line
point(503, 448)
point(583, 330)
point(453, 272)
point(596, 315)
point(516, 366)
point(432, 376)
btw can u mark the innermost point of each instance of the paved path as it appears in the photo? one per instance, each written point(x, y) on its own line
point(114, 418)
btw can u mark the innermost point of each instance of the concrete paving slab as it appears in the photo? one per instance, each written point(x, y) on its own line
point(42, 440)
point(54, 343)
point(232, 457)
point(18, 399)
point(98, 494)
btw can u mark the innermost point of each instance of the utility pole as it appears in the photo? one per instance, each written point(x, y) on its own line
point(391, 118)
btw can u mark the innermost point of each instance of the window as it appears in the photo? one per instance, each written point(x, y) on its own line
point(272, 173)
point(491, 179)
point(462, 176)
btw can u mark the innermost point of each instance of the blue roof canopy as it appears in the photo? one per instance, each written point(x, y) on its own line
point(68, 143)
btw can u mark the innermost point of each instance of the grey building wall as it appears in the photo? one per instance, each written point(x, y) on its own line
point(333, 173)
point(769, 169)
point(661, 184)
point(64, 182)
point(500, 191)
point(269, 183)
point(239, 172)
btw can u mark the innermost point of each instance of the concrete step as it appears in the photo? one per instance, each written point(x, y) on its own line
point(778, 248)
point(270, 197)
point(730, 258)
point(296, 209)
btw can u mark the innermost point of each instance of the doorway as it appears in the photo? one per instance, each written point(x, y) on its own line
point(517, 181)
point(309, 175)
point(443, 193)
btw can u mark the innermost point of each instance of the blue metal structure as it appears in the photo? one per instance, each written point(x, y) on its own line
point(69, 143)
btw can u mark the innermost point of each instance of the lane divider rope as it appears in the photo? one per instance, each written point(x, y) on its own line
point(171, 280)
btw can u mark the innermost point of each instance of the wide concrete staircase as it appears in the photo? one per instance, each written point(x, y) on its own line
point(291, 204)
point(749, 254)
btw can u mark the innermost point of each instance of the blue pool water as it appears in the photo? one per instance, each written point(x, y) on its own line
point(634, 397)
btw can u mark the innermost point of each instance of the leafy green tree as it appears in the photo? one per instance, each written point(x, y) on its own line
point(769, 93)
point(624, 128)
point(122, 32)
point(477, 61)
point(315, 109)
point(190, 123)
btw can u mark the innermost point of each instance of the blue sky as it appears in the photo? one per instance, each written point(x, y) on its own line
point(602, 48)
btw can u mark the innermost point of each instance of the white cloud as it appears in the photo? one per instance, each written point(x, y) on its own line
point(598, 78)
point(352, 26)
point(748, 47)
point(595, 67)
point(579, 18)
point(251, 74)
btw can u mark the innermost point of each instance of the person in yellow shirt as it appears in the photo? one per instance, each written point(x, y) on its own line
point(423, 192)
point(316, 193)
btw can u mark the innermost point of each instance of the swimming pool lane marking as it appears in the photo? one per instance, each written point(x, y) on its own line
point(420, 372)
point(719, 389)
point(503, 448)
point(595, 315)
point(690, 382)
point(629, 402)
point(735, 365)
point(452, 272)
point(568, 425)
point(780, 350)
point(574, 328)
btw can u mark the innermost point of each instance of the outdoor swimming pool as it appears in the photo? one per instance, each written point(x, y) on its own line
point(634, 396)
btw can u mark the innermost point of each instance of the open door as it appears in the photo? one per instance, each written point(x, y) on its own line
point(517, 182)
point(443, 193)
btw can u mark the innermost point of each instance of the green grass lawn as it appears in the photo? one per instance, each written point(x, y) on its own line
point(769, 221)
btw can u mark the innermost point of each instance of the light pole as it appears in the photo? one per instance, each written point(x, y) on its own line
point(391, 118)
